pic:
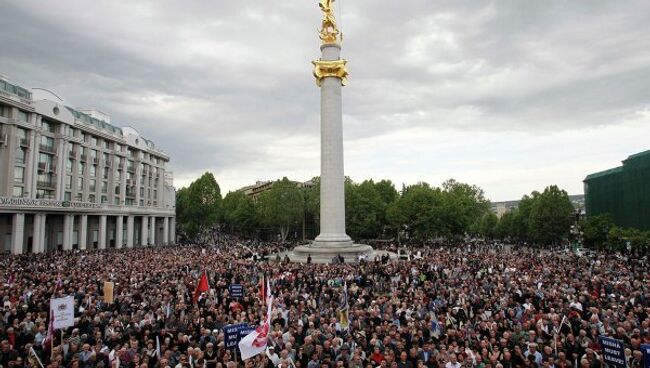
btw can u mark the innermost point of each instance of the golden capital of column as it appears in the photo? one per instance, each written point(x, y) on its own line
point(330, 68)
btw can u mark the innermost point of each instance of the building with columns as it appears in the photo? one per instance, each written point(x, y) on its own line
point(69, 179)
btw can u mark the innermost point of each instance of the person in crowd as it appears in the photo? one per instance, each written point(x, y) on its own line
point(462, 305)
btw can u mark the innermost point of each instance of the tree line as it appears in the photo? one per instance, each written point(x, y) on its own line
point(374, 210)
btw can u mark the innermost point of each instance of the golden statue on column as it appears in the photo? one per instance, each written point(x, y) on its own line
point(329, 32)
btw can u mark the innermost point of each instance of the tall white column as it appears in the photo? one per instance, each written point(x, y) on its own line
point(44, 237)
point(119, 229)
point(129, 231)
point(68, 223)
point(172, 230)
point(102, 232)
point(17, 233)
point(152, 230)
point(37, 236)
point(144, 231)
point(165, 230)
point(332, 180)
point(83, 232)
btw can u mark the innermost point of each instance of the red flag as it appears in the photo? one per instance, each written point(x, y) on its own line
point(202, 286)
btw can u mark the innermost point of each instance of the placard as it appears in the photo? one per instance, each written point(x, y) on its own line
point(236, 290)
point(108, 292)
point(63, 311)
point(232, 334)
point(613, 351)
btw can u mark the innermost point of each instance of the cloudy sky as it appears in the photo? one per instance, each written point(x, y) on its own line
point(509, 95)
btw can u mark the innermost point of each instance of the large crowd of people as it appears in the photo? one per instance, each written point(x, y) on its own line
point(453, 306)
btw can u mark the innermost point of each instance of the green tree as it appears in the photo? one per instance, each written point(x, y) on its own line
point(282, 206)
point(551, 216)
point(464, 204)
point(388, 195)
point(312, 203)
point(521, 218)
point(239, 213)
point(505, 227)
point(595, 230)
point(200, 205)
point(486, 226)
point(417, 212)
point(364, 210)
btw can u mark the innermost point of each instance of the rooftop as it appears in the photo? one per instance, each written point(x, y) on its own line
point(15, 90)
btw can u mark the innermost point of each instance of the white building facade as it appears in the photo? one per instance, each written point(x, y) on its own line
point(71, 180)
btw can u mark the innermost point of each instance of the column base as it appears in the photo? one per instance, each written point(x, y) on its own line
point(325, 251)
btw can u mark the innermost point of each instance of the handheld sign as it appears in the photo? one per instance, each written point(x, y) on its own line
point(645, 349)
point(613, 351)
point(232, 334)
point(236, 290)
point(63, 311)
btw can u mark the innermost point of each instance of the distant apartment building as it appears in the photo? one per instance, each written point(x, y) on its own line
point(69, 179)
point(501, 208)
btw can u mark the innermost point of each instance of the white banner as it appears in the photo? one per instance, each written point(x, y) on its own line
point(63, 311)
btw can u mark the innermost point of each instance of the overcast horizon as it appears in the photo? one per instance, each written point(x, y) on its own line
point(510, 96)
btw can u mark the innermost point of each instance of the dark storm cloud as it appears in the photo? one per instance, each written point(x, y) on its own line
point(226, 86)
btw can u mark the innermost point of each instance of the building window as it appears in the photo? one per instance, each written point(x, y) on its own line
point(106, 158)
point(91, 198)
point(81, 168)
point(104, 187)
point(116, 200)
point(93, 185)
point(20, 156)
point(69, 164)
point(117, 189)
point(93, 140)
point(4, 111)
point(118, 147)
point(22, 116)
point(68, 182)
point(18, 191)
point(78, 197)
point(93, 171)
point(142, 203)
point(19, 174)
point(105, 172)
point(67, 196)
point(107, 144)
point(80, 184)
point(104, 199)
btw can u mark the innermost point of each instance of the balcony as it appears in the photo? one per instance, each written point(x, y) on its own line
point(47, 148)
point(49, 184)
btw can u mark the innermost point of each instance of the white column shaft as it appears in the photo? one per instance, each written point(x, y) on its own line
point(83, 231)
point(129, 231)
point(165, 230)
point(102, 232)
point(68, 221)
point(17, 233)
point(332, 180)
point(144, 231)
point(172, 230)
point(119, 230)
point(152, 230)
